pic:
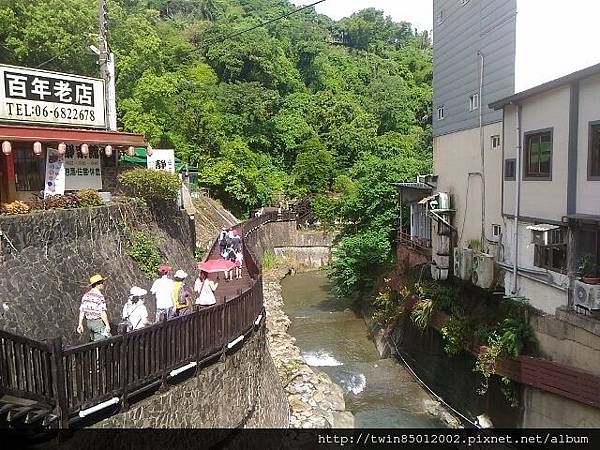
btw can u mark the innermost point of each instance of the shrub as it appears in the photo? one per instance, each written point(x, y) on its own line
point(388, 308)
point(151, 185)
point(88, 197)
point(16, 207)
point(269, 260)
point(144, 249)
point(457, 334)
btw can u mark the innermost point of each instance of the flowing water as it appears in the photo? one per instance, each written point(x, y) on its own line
point(334, 339)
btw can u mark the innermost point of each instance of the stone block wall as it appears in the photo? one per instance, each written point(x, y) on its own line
point(48, 256)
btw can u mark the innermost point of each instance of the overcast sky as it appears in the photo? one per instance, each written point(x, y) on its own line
point(417, 12)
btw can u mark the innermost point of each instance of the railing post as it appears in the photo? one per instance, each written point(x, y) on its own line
point(163, 353)
point(225, 335)
point(58, 381)
point(123, 374)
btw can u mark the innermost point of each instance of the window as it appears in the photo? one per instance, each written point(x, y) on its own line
point(495, 142)
point(496, 231)
point(538, 155)
point(474, 102)
point(510, 169)
point(594, 152)
point(550, 249)
point(440, 17)
point(30, 170)
point(440, 112)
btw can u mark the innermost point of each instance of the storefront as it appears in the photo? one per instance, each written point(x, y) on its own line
point(53, 135)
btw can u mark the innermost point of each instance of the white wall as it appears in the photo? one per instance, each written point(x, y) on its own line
point(541, 199)
point(555, 38)
point(588, 192)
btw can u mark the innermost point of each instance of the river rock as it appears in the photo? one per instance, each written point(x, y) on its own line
point(315, 400)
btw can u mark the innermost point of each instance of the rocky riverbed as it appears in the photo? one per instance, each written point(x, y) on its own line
point(315, 400)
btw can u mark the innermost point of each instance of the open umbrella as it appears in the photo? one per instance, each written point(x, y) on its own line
point(216, 265)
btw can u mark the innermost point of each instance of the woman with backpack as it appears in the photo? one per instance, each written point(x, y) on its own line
point(135, 314)
point(205, 289)
point(182, 294)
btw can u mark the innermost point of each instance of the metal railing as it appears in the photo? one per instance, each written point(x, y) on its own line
point(73, 380)
point(414, 242)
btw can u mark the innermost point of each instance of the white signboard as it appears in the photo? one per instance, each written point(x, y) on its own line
point(162, 160)
point(82, 172)
point(38, 96)
point(55, 173)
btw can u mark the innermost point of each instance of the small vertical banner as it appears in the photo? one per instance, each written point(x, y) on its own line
point(55, 173)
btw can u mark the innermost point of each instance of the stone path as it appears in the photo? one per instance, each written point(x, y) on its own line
point(315, 401)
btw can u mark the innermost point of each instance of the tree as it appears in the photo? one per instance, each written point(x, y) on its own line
point(314, 168)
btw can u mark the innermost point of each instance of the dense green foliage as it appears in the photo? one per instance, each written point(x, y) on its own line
point(144, 248)
point(151, 185)
point(279, 110)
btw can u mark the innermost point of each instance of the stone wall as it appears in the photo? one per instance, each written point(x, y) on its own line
point(48, 256)
point(240, 391)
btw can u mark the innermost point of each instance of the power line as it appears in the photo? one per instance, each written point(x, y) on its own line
point(283, 16)
point(58, 55)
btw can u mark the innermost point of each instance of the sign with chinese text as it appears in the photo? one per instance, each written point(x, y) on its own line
point(55, 173)
point(38, 96)
point(162, 160)
point(82, 172)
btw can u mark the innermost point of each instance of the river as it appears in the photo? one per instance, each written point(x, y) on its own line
point(334, 339)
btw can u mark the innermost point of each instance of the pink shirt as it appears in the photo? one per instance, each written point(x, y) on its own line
point(92, 304)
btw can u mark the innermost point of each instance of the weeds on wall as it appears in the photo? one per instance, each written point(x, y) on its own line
point(269, 260)
point(144, 248)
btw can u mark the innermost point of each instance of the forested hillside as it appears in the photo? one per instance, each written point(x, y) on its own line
point(276, 110)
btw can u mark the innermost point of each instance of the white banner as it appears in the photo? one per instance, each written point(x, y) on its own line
point(55, 173)
point(82, 172)
point(38, 96)
point(162, 160)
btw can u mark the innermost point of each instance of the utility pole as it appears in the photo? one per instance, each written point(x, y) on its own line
point(107, 66)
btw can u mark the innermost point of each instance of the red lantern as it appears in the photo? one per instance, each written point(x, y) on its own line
point(108, 150)
point(37, 148)
point(131, 151)
point(62, 148)
point(149, 150)
point(85, 150)
point(6, 148)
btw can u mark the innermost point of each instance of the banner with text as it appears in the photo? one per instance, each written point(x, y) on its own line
point(38, 96)
point(162, 160)
point(55, 173)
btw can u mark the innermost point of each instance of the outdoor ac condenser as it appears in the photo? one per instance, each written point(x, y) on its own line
point(463, 263)
point(483, 270)
point(587, 295)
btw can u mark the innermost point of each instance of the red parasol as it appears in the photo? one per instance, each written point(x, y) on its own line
point(216, 265)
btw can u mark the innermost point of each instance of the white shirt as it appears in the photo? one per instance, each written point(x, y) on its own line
point(162, 289)
point(206, 290)
point(136, 312)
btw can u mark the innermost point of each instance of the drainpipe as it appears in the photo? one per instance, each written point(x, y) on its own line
point(517, 199)
point(482, 148)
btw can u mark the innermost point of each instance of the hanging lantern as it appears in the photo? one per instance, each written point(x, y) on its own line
point(131, 151)
point(149, 150)
point(6, 148)
point(62, 148)
point(108, 150)
point(37, 148)
point(85, 150)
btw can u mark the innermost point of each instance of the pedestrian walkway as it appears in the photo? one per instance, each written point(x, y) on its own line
point(228, 290)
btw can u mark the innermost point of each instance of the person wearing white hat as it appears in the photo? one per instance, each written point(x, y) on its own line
point(135, 314)
point(182, 294)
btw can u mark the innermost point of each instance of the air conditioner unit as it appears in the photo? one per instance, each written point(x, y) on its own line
point(587, 295)
point(463, 263)
point(483, 270)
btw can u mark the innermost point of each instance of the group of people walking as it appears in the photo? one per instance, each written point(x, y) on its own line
point(174, 297)
point(230, 248)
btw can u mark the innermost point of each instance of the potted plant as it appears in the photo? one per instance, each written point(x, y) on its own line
point(589, 269)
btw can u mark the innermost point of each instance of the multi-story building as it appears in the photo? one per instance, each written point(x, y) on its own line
point(551, 191)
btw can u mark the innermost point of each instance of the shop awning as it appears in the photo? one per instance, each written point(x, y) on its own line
point(543, 227)
point(69, 135)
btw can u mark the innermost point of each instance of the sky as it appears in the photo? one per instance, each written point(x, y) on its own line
point(417, 12)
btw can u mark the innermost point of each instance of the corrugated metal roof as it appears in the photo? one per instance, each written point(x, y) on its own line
point(542, 227)
point(419, 186)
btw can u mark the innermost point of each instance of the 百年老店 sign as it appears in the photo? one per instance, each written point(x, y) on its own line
point(42, 97)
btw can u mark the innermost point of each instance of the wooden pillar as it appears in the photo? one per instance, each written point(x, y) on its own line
point(9, 188)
